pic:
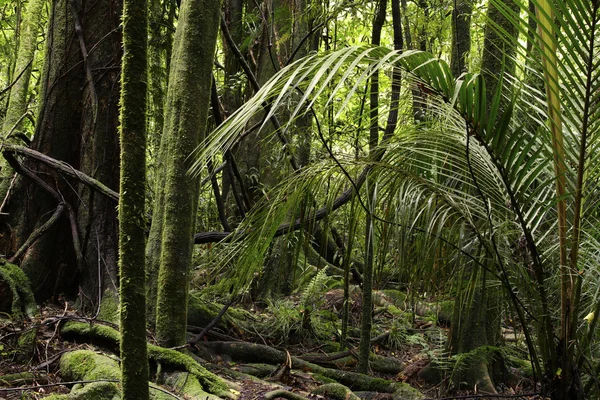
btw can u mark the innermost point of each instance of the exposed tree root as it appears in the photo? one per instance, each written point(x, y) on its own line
point(250, 352)
point(166, 358)
point(335, 391)
point(279, 393)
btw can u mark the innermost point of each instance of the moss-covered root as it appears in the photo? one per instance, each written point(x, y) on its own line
point(94, 390)
point(190, 385)
point(207, 380)
point(86, 365)
point(256, 353)
point(16, 296)
point(283, 394)
point(109, 337)
point(335, 391)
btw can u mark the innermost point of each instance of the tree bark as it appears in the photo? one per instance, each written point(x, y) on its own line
point(132, 232)
point(76, 128)
point(461, 36)
point(17, 102)
point(174, 219)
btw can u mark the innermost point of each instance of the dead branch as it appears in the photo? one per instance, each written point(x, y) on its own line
point(12, 161)
point(62, 167)
point(36, 234)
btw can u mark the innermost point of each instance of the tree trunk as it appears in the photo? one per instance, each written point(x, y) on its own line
point(17, 102)
point(366, 320)
point(461, 36)
point(77, 124)
point(174, 217)
point(132, 235)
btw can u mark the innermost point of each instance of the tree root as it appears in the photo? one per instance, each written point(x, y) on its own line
point(335, 391)
point(110, 338)
point(275, 394)
point(256, 353)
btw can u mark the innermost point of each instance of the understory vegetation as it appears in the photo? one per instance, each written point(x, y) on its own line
point(305, 199)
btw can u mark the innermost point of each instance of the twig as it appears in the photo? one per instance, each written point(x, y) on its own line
point(8, 192)
point(16, 125)
point(165, 391)
point(6, 89)
point(212, 323)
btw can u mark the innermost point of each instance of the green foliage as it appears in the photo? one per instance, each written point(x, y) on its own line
point(470, 185)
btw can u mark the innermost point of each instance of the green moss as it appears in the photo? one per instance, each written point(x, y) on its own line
point(335, 391)
point(95, 333)
point(523, 367)
point(88, 365)
point(97, 390)
point(189, 386)
point(109, 308)
point(406, 392)
point(323, 379)
point(27, 343)
point(209, 381)
point(91, 391)
point(397, 297)
point(395, 311)
point(23, 302)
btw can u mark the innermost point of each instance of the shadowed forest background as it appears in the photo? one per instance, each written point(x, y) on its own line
point(296, 199)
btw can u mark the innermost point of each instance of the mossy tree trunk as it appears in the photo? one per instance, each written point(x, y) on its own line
point(174, 217)
point(17, 102)
point(77, 123)
point(132, 235)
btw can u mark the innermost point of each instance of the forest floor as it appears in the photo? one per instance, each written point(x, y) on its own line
point(277, 347)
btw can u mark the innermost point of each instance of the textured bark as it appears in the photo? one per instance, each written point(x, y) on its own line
point(188, 101)
point(132, 235)
point(461, 36)
point(74, 127)
point(499, 50)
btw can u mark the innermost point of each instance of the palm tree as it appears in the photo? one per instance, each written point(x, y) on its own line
point(507, 182)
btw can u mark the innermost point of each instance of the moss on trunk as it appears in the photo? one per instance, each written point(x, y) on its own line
point(187, 108)
point(132, 235)
point(17, 102)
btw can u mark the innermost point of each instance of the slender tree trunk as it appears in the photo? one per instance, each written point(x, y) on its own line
point(17, 102)
point(366, 320)
point(188, 101)
point(132, 235)
point(461, 36)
